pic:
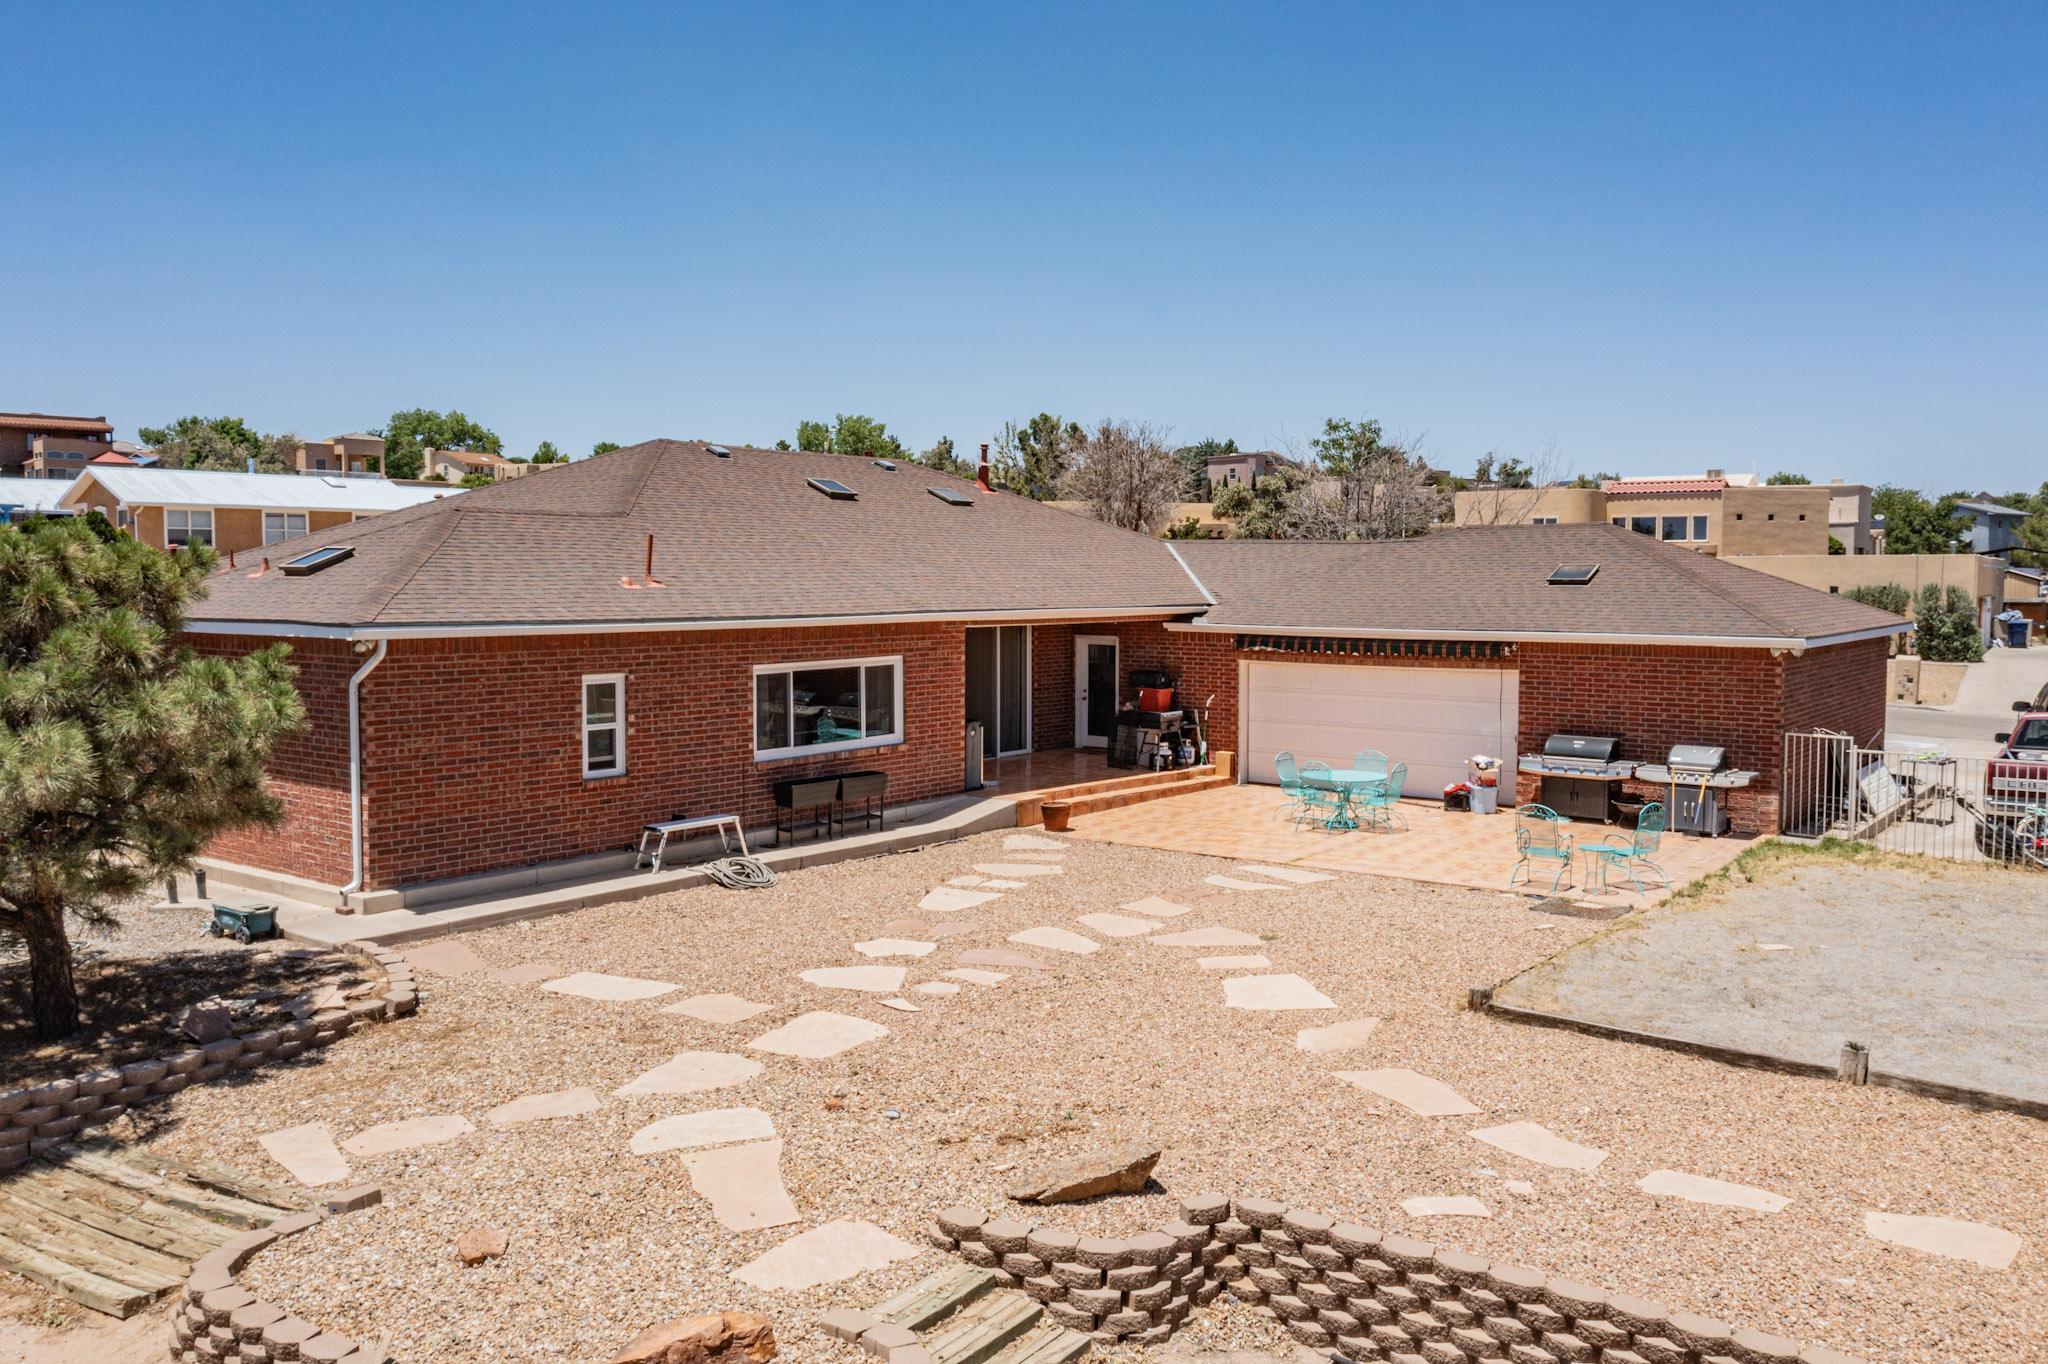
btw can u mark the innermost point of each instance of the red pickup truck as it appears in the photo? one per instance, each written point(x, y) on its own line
point(2015, 825)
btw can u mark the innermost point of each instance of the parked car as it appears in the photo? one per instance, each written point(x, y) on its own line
point(2015, 823)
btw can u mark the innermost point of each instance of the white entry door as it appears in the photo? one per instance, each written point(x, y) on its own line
point(1430, 718)
point(1095, 673)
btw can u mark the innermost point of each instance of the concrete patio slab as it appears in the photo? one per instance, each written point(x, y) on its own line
point(713, 1127)
point(1419, 1094)
point(877, 980)
point(1057, 940)
point(611, 989)
point(562, 1103)
point(307, 1152)
point(953, 899)
point(827, 1254)
point(693, 1072)
point(815, 1036)
point(1349, 1035)
point(1019, 871)
point(445, 959)
point(895, 947)
point(1273, 993)
point(1456, 1205)
point(1533, 1141)
point(1244, 963)
point(1700, 1189)
point(720, 1008)
point(1977, 1242)
point(743, 1185)
point(406, 1134)
point(1120, 925)
point(1157, 907)
point(1207, 937)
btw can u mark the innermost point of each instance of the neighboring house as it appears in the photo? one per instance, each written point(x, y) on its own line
point(21, 498)
point(456, 465)
point(354, 453)
point(235, 513)
point(44, 445)
point(789, 629)
point(1243, 469)
point(2026, 591)
point(1983, 578)
point(1717, 513)
point(1993, 529)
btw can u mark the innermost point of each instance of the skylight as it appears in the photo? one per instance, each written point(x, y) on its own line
point(720, 451)
point(1568, 575)
point(315, 560)
point(888, 464)
point(833, 488)
point(950, 498)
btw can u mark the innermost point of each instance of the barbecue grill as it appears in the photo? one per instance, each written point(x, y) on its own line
point(1581, 774)
point(1695, 776)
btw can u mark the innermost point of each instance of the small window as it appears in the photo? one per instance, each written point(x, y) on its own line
point(1673, 528)
point(282, 526)
point(604, 725)
point(1542, 520)
point(1699, 528)
point(1738, 516)
point(1802, 516)
point(1643, 525)
point(827, 707)
point(188, 527)
point(1770, 516)
point(1621, 521)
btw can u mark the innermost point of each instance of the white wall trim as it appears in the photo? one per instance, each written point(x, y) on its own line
point(308, 630)
point(1793, 642)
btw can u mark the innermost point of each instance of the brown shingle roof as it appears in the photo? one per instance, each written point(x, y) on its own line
point(1491, 582)
point(736, 539)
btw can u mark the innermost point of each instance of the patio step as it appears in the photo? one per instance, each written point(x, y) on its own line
point(1116, 800)
point(983, 1329)
point(1046, 1343)
point(1030, 804)
point(929, 1301)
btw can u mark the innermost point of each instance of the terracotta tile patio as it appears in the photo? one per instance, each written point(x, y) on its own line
point(1452, 849)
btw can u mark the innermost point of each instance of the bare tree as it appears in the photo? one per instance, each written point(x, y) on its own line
point(1128, 475)
point(1367, 487)
point(1506, 491)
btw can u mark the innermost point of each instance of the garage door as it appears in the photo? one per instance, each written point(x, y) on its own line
point(1430, 718)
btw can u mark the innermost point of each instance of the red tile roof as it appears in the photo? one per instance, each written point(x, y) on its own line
point(44, 421)
point(1624, 487)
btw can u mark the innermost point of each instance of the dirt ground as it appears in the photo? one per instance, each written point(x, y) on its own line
point(1129, 1042)
point(1936, 968)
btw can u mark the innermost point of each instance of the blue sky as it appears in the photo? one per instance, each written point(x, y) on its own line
point(1657, 237)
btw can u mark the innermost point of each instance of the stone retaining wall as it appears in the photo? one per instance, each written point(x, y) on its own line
point(219, 1320)
point(37, 1117)
point(1336, 1285)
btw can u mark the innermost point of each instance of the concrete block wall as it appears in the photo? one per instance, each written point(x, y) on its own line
point(1337, 1285)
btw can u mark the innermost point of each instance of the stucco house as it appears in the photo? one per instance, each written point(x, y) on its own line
point(677, 626)
point(236, 513)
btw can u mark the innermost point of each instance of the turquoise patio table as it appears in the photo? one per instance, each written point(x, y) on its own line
point(1347, 783)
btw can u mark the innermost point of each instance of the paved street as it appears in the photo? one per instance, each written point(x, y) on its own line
point(1983, 706)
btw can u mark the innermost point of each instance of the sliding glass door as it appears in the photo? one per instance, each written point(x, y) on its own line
point(999, 685)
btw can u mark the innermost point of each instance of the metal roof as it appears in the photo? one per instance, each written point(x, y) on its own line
point(139, 487)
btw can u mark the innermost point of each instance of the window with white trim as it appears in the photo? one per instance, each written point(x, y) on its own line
point(282, 526)
point(182, 527)
point(827, 707)
point(604, 725)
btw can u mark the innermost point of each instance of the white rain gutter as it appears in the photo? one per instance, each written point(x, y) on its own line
point(1775, 642)
point(355, 767)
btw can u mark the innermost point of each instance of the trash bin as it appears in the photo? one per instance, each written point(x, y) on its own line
point(2016, 633)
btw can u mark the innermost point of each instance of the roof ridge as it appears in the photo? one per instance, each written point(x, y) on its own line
point(429, 545)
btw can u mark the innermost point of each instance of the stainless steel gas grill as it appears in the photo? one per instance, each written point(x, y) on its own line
point(1694, 776)
point(1581, 773)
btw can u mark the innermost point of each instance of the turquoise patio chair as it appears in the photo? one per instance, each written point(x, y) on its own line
point(1381, 805)
point(1540, 836)
point(1318, 804)
point(1639, 851)
point(1371, 760)
point(1290, 782)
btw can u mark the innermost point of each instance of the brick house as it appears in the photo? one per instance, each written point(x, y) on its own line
point(677, 626)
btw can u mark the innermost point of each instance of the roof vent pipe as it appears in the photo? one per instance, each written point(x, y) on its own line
point(981, 474)
point(252, 464)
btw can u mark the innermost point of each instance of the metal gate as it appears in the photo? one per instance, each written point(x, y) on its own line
point(1901, 801)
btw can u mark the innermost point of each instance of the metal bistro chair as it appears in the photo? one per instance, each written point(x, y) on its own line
point(1382, 804)
point(1639, 851)
point(1290, 782)
point(1540, 835)
point(1371, 760)
point(1318, 804)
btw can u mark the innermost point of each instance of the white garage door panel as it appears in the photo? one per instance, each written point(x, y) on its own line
point(1430, 718)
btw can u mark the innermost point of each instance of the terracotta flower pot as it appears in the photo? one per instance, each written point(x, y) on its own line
point(1056, 813)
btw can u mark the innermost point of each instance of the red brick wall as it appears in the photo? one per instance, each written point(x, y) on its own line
point(1200, 664)
point(309, 770)
point(473, 746)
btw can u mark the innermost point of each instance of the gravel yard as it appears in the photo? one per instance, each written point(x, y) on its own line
point(1937, 969)
point(1131, 1041)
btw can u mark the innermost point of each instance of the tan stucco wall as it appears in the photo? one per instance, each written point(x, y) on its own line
point(1980, 576)
point(320, 520)
point(1780, 520)
point(1520, 506)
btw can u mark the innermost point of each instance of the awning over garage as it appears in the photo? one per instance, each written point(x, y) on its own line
point(1433, 719)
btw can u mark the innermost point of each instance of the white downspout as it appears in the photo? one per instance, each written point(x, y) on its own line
point(355, 766)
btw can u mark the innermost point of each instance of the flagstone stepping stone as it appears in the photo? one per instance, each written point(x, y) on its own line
point(717, 1008)
point(1247, 963)
point(387, 1137)
point(1299, 876)
point(713, 1127)
point(903, 1006)
point(1774, 947)
point(1119, 925)
point(940, 932)
point(1239, 883)
point(936, 987)
point(968, 880)
point(815, 1036)
point(1283, 990)
point(307, 1152)
point(952, 899)
point(1978, 1242)
point(596, 985)
point(1534, 1141)
point(1457, 1205)
point(445, 959)
point(526, 975)
point(878, 980)
point(743, 1185)
point(693, 1072)
point(562, 1103)
point(1003, 956)
point(1018, 871)
point(895, 947)
point(1047, 858)
point(1034, 841)
point(1157, 908)
point(1207, 937)
point(1002, 885)
point(1419, 1094)
point(974, 976)
point(1058, 940)
point(1349, 1035)
point(838, 1250)
point(1520, 1188)
point(1700, 1189)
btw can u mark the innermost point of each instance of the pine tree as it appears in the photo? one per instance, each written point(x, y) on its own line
point(121, 752)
